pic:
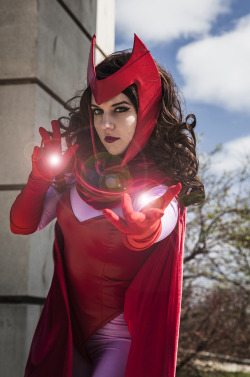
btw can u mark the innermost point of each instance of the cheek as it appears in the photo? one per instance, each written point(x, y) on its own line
point(97, 127)
point(131, 122)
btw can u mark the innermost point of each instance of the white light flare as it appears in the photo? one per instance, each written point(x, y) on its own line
point(144, 199)
point(54, 159)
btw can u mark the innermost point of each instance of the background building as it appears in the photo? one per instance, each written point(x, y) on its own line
point(44, 52)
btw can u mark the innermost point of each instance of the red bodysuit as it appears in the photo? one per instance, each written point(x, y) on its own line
point(99, 268)
point(151, 302)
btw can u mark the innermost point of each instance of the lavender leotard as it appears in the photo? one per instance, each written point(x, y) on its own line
point(108, 349)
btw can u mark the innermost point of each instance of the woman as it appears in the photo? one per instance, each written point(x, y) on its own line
point(119, 194)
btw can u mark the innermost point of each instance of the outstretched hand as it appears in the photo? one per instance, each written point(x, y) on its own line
point(47, 160)
point(144, 224)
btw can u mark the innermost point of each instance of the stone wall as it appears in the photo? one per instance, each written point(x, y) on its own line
point(44, 52)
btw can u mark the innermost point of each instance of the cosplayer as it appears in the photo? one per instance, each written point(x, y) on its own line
point(119, 194)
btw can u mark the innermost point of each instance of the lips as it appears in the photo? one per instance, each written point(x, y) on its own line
point(110, 139)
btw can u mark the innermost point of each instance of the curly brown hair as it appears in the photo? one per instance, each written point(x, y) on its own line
point(172, 143)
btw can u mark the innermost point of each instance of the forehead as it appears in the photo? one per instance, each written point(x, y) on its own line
point(119, 98)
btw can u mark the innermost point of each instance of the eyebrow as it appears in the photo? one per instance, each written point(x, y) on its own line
point(115, 104)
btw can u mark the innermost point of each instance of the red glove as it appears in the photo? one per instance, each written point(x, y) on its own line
point(48, 161)
point(27, 209)
point(141, 229)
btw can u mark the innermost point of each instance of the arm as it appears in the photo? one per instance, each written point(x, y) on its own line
point(28, 207)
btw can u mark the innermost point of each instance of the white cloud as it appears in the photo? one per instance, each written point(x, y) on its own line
point(232, 156)
point(165, 20)
point(216, 69)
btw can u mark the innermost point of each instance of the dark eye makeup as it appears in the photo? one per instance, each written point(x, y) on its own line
point(121, 109)
point(118, 109)
point(96, 111)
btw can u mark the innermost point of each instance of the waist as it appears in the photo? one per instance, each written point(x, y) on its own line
point(116, 328)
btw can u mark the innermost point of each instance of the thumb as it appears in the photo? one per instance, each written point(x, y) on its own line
point(37, 153)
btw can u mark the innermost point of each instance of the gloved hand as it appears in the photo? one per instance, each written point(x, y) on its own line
point(48, 161)
point(141, 229)
point(27, 209)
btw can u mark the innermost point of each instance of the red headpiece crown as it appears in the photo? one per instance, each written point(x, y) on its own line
point(140, 70)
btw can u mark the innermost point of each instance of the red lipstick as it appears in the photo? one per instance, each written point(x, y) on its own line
point(110, 139)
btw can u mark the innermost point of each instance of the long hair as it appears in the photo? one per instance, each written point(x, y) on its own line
point(172, 143)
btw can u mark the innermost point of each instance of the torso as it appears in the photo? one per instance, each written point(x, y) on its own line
point(99, 267)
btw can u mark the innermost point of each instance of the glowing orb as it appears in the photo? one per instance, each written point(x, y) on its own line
point(54, 159)
point(112, 181)
point(144, 199)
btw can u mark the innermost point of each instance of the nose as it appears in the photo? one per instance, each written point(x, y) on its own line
point(107, 122)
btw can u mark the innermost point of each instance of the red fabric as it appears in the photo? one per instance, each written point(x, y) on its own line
point(152, 311)
point(142, 244)
point(27, 209)
point(99, 269)
point(141, 173)
point(51, 352)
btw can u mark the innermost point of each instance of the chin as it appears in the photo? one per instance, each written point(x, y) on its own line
point(116, 151)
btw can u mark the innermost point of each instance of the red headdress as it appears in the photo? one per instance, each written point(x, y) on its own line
point(140, 70)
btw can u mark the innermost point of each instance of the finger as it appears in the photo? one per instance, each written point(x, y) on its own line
point(117, 221)
point(171, 194)
point(127, 207)
point(69, 154)
point(37, 153)
point(45, 135)
point(56, 133)
point(164, 200)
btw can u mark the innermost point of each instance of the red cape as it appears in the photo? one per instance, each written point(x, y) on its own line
point(152, 311)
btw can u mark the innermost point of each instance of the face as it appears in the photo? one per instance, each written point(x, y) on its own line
point(115, 122)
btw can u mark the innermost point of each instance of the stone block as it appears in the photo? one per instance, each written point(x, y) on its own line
point(105, 27)
point(85, 12)
point(26, 260)
point(18, 38)
point(40, 40)
point(63, 50)
point(17, 326)
point(23, 109)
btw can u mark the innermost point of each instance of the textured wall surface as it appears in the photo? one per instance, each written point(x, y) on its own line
point(44, 46)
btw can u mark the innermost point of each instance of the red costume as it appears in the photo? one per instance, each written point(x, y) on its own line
point(96, 276)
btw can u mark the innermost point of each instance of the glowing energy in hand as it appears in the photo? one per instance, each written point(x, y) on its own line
point(54, 160)
point(144, 199)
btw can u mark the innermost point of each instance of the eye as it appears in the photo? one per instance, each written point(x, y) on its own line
point(97, 111)
point(121, 109)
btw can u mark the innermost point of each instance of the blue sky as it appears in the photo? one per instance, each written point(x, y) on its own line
point(205, 44)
